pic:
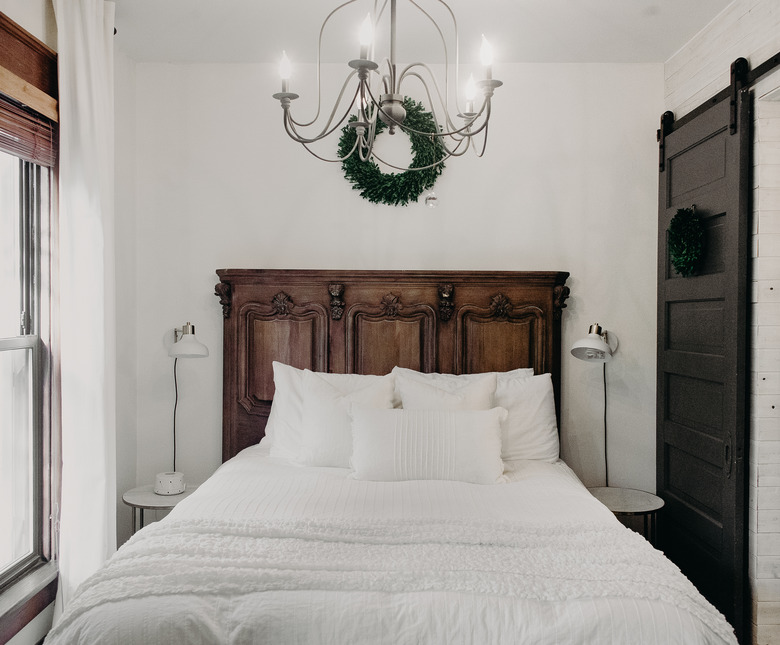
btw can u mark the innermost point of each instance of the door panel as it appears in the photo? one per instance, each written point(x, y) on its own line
point(702, 359)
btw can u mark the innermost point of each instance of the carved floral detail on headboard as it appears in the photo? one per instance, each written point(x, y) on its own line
point(560, 294)
point(225, 293)
point(446, 301)
point(390, 305)
point(337, 304)
point(500, 306)
point(282, 304)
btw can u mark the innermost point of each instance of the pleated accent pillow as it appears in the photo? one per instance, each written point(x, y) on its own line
point(400, 445)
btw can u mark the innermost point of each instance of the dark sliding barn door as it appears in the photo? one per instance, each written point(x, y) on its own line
point(702, 398)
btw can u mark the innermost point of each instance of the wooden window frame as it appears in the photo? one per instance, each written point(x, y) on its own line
point(28, 85)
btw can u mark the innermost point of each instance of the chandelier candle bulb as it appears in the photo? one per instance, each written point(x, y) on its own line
point(471, 93)
point(284, 72)
point(366, 36)
point(486, 54)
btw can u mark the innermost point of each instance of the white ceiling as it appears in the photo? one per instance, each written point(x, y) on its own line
point(628, 31)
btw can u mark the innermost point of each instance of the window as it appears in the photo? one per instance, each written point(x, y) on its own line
point(28, 445)
point(24, 198)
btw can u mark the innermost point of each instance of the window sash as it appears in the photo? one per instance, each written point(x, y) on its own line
point(33, 197)
point(35, 552)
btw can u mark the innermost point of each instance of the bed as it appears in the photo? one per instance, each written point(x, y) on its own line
point(390, 475)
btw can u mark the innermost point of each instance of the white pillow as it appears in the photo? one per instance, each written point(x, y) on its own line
point(530, 430)
point(399, 445)
point(471, 394)
point(446, 381)
point(284, 426)
point(326, 424)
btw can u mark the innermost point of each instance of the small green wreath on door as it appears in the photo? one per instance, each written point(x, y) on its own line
point(686, 241)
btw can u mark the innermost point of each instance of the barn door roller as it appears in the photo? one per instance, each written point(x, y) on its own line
point(667, 119)
point(739, 73)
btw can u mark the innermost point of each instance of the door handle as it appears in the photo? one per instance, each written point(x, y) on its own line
point(727, 460)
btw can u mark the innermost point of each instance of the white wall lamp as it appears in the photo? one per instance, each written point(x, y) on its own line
point(185, 345)
point(598, 347)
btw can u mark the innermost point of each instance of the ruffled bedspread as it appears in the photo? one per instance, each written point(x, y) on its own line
point(532, 565)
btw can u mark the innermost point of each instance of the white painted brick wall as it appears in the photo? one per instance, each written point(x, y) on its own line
point(765, 385)
point(751, 29)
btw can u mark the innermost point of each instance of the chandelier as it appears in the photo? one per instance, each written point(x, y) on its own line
point(379, 93)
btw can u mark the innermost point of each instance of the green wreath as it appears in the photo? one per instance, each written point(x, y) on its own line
point(686, 241)
point(396, 188)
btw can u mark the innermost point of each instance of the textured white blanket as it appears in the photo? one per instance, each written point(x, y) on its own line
point(233, 558)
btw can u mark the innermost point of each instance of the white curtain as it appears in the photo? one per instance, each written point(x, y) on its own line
point(86, 294)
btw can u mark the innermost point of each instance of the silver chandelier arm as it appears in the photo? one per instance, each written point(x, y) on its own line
point(463, 130)
point(446, 53)
point(321, 158)
point(319, 63)
point(382, 95)
point(453, 153)
point(335, 105)
point(290, 123)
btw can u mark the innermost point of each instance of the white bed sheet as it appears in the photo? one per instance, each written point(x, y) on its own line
point(533, 560)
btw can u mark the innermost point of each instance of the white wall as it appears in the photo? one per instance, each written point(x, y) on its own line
point(764, 522)
point(746, 28)
point(751, 29)
point(36, 16)
point(569, 182)
point(126, 287)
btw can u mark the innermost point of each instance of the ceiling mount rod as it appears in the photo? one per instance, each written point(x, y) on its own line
point(393, 71)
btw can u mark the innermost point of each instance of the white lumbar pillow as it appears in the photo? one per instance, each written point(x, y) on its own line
point(398, 445)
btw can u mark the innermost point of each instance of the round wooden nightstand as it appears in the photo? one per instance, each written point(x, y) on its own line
point(629, 501)
point(144, 498)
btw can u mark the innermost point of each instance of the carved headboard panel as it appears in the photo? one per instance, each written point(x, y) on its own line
point(367, 322)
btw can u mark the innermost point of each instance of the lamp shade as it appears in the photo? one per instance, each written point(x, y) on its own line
point(187, 346)
point(593, 347)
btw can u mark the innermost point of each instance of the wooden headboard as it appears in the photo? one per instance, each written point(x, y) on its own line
point(367, 322)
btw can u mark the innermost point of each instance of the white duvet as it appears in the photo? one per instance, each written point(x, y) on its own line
point(267, 552)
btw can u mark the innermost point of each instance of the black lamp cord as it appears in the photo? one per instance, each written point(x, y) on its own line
point(175, 405)
point(606, 461)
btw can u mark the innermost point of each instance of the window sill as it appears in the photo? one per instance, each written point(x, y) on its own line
point(25, 599)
